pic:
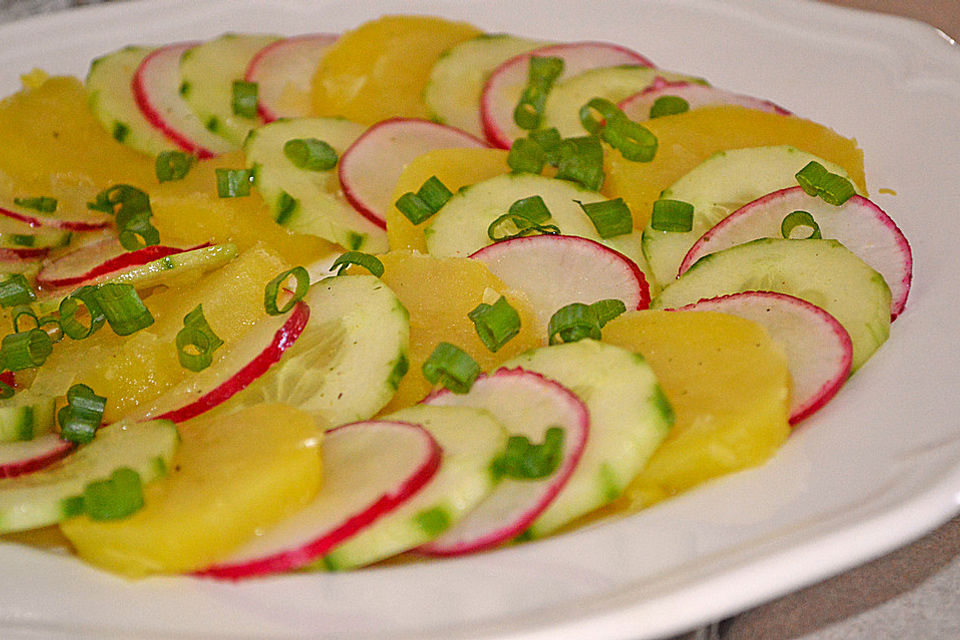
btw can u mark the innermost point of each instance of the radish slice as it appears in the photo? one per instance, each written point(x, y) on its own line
point(370, 168)
point(506, 83)
point(637, 107)
point(859, 224)
point(27, 456)
point(283, 72)
point(369, 468)
point(156, 87)
point(251, 357)
point(526, 404)
point(106, 257)
point(87, 221)
point(818, 349)
point(554, 271)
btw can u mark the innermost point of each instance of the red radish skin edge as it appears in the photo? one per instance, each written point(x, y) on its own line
point(251, 75)
point(355, 201)
point(154, 118)
point(16, 255)
point(131, 259)
point(643, 285)
point(294, 559)
point(829, 388)
point(36, 463)
point(519, 526)
point(695, 252)
point(491, 132)
point(282, 339)
point(55, 223)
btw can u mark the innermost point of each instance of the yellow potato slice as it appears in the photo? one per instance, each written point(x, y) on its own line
point(232, 476)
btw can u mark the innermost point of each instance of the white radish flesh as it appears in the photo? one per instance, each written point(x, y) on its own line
point(370, 168)
point(283, 72)
point(637, 107)
point(156, 87)
point(554, 271)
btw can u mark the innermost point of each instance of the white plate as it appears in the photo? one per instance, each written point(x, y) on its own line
point(875, 469)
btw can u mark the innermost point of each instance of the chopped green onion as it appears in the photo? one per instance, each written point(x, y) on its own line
point(234, 183)
point(607, 111)
point(122, 307)
point(173, 165)
point(131, 206)
point(577, 321)
point(119, 496)
point(523, 460)
point(434, 193)
point(286, 205)
point(55, 331)
point(365, 260)
point(6, 391)
point(607, 310)
point(495, 323)
point(244, 101)
point(196, 342)
point(668, 106)
point(532, 208)
point(452, 367)
point(672, 215)
point(137, 232)
point(120, 197)
point(81, 417)
point(631, 139)
point(542, 74)
point(272, 290)
point(69, 308)
point(21, 311)
point(15, 291)
point(550, 140)
point(522, 226)
point(815, 180)
point(800, 219)
point(581, 160)
point(310, 154)
point(526, 156)
point(421, 205)
point(43, 204)
point(609, 217)
point(25, 350)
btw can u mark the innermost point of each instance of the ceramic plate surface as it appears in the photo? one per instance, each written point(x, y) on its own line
point(875, 469)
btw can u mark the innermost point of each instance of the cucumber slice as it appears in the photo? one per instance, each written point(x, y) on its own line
point(717, 187)
point(348, 361)
point(613, 83)
point(629, 418)
point(110, 96)
point(470, 439)
point(54, 493)
point(456, 81)
point(15, 234)
point(460, 227)
point(164, 271)
point(208, 72)
point(25, 416)
point(310, 201)
point(822, 272)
